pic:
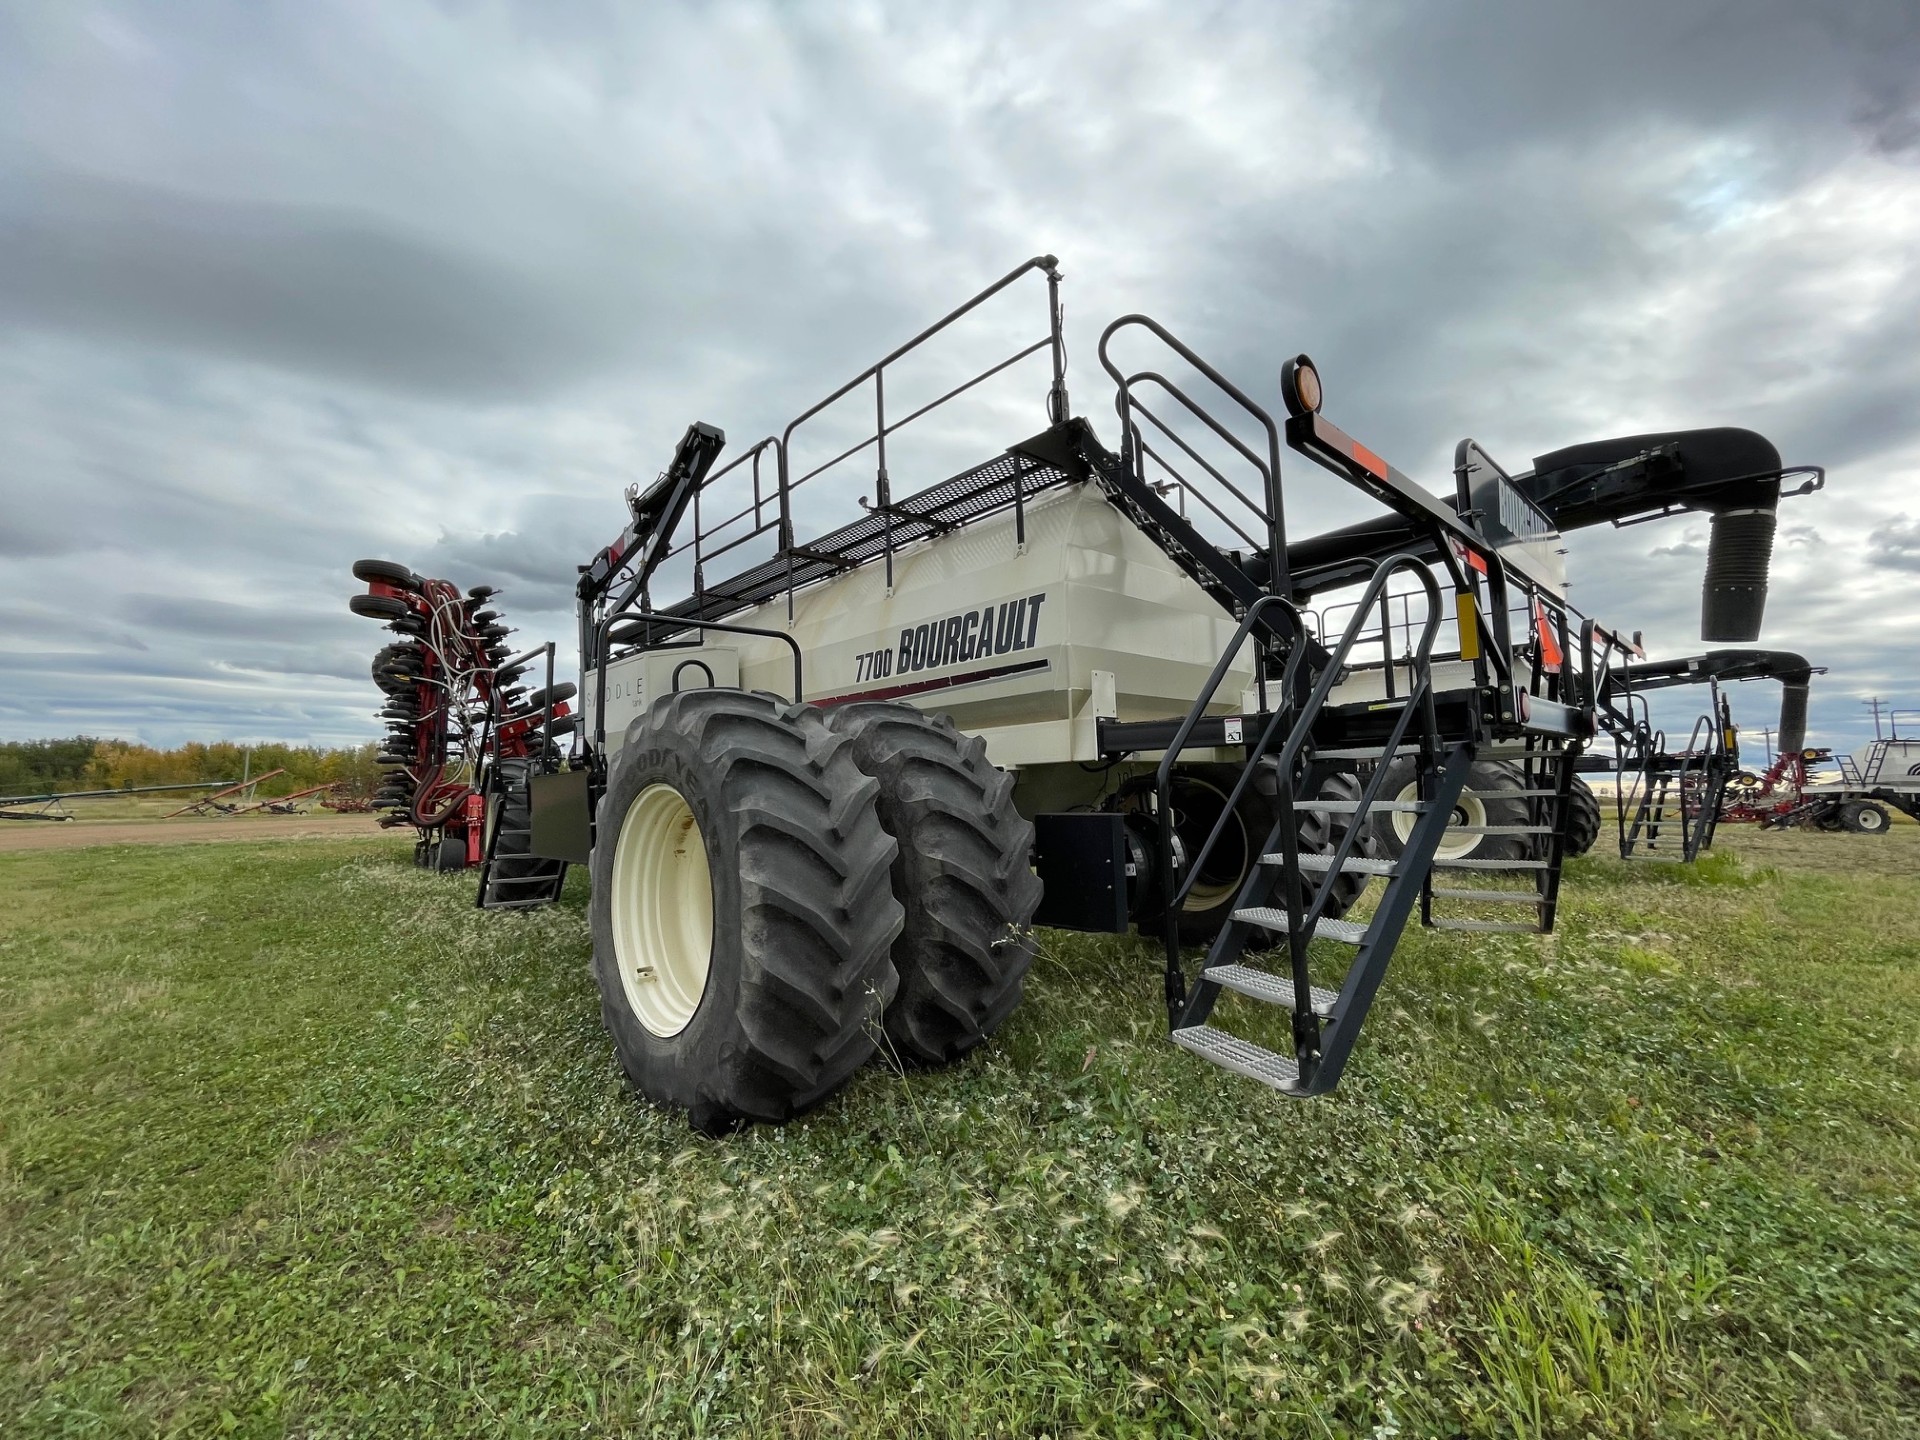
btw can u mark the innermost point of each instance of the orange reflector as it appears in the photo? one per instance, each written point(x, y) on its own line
point(1551, 655)
point(1372, 461)
point(1472, 559)
point(1469, 626)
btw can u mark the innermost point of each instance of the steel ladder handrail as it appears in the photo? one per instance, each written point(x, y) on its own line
point(1300, 733)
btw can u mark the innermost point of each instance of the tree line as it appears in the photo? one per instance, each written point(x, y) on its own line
point(82, 762)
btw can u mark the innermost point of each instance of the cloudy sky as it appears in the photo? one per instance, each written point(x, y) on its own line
point(282, 286)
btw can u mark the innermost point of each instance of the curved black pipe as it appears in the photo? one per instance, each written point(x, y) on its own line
point(1792, 671)
point(1730, 474)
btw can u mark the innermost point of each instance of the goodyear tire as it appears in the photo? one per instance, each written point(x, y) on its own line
point(742, 909)
point(1583, 819)
point(961, 873)
point(1488, 799)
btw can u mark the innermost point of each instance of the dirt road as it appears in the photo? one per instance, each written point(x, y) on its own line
point(74, 834)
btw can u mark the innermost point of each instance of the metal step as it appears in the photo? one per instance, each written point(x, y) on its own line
point(1364, 753)
point(1269, 918)
point(1265, 985)
point(1489, 927)
point(1491, 897)
point(1242, 1057)
point(1349, 807)
point(1489, 864)
point(1352, 865)
point(1500, 829)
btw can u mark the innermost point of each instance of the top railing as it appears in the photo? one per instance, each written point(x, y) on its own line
point(1259, 523)
point(770, 510)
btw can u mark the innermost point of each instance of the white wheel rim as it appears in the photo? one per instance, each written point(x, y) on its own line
point(662, 910)
point(1870, 820)
point(1207, 896)
point(1469, 810)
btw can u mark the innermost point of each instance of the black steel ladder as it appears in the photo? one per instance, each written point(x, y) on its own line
point(510, 878)
point(1674, 800)
point(1546, 771)
point(1288, 893)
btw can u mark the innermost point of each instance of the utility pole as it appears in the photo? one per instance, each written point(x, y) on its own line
point(1876, 702)
point(1766, 739)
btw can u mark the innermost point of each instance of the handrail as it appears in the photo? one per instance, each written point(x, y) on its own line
point(1163, 817)
point(1187, 487)
point(901, 424)
point(1154, 376)
point(604, 635)
point(753, 453)
point(1689, 824)
point(1123, 401)
point(1418, 694)
point(1057, 407)
point(1302, 725)
point(1647, 742)
point(1163, 775)
point(781, 496)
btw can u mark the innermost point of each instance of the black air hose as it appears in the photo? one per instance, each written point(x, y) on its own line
point(1728, 473)
point(1733, 598)
point(1793, 717)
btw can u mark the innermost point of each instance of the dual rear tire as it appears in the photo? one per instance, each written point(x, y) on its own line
point(1491, 799)
point(780, 892)
point(1199, 795)
point(1863, 817)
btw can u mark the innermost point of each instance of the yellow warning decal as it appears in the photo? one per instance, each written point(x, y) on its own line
point(1469, 626)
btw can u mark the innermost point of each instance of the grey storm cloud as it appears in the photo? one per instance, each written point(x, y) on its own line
point(1895, 544)
point(304, 286)
point(283, 287)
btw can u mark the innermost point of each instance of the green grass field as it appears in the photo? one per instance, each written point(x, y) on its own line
point(294, 1141)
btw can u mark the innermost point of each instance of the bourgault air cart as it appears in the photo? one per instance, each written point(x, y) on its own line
point(1886, 772)
point(826, 793)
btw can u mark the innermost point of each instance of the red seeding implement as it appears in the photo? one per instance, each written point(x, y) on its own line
point(462, 732)
point(835, 764)
point(1885, 773)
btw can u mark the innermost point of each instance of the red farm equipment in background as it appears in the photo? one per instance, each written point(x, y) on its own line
point(1874, 781)
point(462, 734)
point(1761, 799)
